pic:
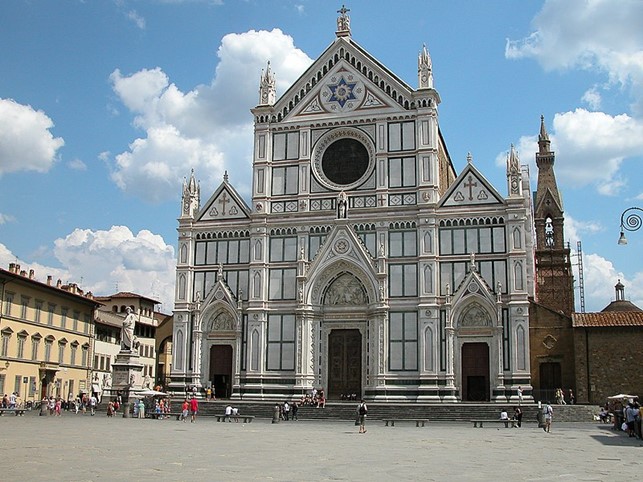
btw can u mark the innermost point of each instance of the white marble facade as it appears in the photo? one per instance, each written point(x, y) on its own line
point(364, 264)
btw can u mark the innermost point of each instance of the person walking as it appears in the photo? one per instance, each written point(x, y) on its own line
point(92, 404)
point(185, 410)
point(517, 417)
point(548, 412)
point(294, 410)
point(194, 408)
point(362, 410)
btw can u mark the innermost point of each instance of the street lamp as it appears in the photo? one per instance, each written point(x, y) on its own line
point(629, 222)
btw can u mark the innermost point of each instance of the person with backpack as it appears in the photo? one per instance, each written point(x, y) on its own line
point(362, 410)
point(548, 412)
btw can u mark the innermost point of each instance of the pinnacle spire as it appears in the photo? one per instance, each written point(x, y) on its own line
point(267, 87)
point(425, 69)
point(543, 137)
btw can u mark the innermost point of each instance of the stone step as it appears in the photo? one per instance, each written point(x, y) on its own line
point(462, 412)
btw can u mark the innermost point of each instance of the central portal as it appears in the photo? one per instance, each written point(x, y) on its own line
point(221, 370)
point(344, 363)
point(475, 372)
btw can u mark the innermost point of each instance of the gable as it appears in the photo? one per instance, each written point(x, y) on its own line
point(225, 203)
point(470, 189)
point(548, 204)
point(343, 90)
point(345, 78)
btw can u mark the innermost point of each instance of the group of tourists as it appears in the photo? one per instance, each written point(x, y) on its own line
point(516, 419)
point(11, 401)
point(190, 408)
point(316, 398)
point(287, 411)
point(562, 398)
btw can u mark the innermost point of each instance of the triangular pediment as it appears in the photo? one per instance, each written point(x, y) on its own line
point(343, 90)
point(219, 308)
point(342, 252)
point(345, 79)
point(473, 285)
point(471, 189)
point(225, 203)
point(548, 204)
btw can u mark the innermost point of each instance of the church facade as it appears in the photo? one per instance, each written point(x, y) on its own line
point(364, 264)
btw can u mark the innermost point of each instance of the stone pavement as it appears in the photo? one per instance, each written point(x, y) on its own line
point(85, 448)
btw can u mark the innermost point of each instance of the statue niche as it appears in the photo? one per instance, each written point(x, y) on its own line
point(345, 290)
point(475, 315)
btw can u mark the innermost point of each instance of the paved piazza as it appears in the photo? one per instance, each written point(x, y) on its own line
point(84, 448)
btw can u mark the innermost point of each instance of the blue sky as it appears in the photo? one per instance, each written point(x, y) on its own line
point(106, 106)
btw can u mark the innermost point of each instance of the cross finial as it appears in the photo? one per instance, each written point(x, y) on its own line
point(343, 22)
point(225, 176)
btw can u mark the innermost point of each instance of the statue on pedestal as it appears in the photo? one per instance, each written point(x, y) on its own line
point(128, 340)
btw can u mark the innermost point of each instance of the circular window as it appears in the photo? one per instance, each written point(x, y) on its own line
point(343, 158)
point(345, 161)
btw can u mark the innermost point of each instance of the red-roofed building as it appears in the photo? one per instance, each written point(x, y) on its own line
point(607, 347)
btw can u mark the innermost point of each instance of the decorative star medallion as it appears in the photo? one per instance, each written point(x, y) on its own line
point(342, 92)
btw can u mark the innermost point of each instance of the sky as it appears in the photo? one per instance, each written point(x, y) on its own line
point(106, 106)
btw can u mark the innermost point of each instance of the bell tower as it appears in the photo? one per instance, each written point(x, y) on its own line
point(554, 276)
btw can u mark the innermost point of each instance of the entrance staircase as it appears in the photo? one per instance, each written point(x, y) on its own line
point(346, 411)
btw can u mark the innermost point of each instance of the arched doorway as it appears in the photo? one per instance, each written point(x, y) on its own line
point(221, 370)
point(344, 363)
point(475, 372)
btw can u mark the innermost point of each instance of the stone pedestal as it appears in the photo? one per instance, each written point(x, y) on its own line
point(127, 377)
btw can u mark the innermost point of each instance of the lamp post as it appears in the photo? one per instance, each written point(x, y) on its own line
point(629, 222)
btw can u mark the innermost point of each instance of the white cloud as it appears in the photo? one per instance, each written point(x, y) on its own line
point(592, 97)
point(593, 145)
point(208, 128)
point(590, 148)
point(137, 19)
point(600, 35)
point(77, 165)
point(575, 229)
point(6, 218)
point(26, 142)
point(142, 263)
point(600, 277)
point(100, 261)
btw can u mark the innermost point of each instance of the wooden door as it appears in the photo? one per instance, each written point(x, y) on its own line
point(221, 370)
point(344, 363)
point(475, 372)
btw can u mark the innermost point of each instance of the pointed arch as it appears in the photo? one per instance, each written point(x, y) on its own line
point(517, 238)
point(254, 350)
point(345, 289)
point(178, 354)
point(429, 350)
point(428, 242)
point(184, 253)
point(256, 285)
point(428, 279)
point(519, 281)
point(182, 287)
point(521, 348)
point(258, 250)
